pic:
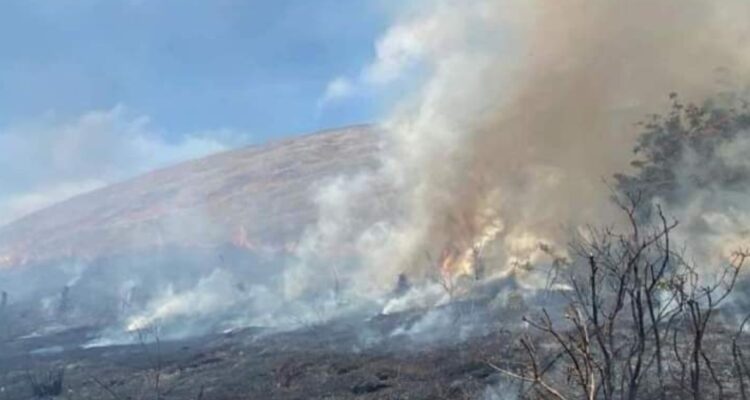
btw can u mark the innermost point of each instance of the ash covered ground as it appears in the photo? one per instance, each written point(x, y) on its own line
point(447, 352)
point(438, 353)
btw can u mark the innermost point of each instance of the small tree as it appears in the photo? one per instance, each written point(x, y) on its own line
point(688, 135)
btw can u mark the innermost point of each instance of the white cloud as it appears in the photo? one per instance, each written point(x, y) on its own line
point(402, 46)
point(409, 42)
point(17, 205)
point(52, 159)
point(337, 89)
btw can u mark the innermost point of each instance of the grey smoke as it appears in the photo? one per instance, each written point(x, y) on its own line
point(527, 106)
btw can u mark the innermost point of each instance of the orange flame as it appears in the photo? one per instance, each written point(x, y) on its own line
point(456, 263)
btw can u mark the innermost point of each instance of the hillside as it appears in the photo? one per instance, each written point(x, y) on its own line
point(259, 197)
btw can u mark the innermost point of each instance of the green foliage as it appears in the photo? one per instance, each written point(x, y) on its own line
point(688, 148)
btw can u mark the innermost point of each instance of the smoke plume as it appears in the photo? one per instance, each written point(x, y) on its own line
point(525, 108)
point(520, 111)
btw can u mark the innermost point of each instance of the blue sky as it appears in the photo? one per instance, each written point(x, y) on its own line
point(255, 66)
point(97, 91)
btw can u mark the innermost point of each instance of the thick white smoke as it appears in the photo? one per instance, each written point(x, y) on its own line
point(712, 210)
point(524, 108)
point(520, 111)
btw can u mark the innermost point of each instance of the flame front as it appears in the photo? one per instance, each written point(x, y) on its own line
point(456, 262)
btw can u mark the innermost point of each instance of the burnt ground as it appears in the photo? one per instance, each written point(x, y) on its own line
point(343, 359)
point(381, 357)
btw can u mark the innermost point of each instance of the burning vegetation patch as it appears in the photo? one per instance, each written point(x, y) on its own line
point(507, 237)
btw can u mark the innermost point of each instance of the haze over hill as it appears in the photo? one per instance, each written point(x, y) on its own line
point(259, 197)
point(472, 241)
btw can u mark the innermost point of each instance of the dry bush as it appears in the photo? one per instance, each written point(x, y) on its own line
point(637, 320)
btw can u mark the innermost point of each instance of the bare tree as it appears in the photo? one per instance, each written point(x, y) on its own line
point(700, 302)
point(740, 363)
point(631, 292)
